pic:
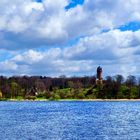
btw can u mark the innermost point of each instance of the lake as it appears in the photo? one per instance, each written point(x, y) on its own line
point(70, 120)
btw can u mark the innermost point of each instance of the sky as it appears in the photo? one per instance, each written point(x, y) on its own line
point(69, 37)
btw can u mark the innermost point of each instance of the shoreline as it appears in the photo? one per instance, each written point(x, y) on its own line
point(70, 100)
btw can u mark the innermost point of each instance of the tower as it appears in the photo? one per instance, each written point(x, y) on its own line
point(99, 80)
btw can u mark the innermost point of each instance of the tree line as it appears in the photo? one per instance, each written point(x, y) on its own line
point(26, 87)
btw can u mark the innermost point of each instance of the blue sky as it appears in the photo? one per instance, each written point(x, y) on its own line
point(69, 37)
point(74, 3)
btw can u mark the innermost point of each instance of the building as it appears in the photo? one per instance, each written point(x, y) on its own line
point(31, 93)
point(99, 80)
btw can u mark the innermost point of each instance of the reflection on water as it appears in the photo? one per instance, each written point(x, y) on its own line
point(69, 120)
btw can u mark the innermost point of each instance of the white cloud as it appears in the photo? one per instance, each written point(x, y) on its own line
point(26, 24)
point(48, 23)
point(111, 45)
point(116, 51)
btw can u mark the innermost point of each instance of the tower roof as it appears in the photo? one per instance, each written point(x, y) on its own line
point(99, 69)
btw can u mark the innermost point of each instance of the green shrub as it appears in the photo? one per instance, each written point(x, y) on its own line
point(31, 97)
point(0, 94)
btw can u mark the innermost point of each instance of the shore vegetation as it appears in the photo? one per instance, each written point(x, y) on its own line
point(47, 88)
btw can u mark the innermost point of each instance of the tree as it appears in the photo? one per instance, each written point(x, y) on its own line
point(14, 89)
point(0, 94)
point(131, 81)
point(39, 84)
point(119, 79)
point(107, 88)
point(131, 84)
point(70, 85)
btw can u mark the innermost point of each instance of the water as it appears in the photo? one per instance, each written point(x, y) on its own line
point(70, 120)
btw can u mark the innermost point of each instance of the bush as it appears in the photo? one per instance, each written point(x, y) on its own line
point(0, 94)
point(81, 95)
point(55, 97)
point(31, 97)
point(41, 95)
point(3, 99)
point(19, 98)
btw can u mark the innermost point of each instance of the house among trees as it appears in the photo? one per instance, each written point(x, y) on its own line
point(32, 93)
point(89, 87)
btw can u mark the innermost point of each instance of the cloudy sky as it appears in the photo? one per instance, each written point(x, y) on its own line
point(69, 37)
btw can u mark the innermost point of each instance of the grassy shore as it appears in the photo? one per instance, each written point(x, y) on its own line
point(72, 100)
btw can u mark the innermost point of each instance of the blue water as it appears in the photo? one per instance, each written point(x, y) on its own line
point(70, 120)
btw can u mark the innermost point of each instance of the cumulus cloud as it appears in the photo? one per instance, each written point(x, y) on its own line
point(111, 45)
point(51, 62)
point(38, 35)
point(115, 50)
point(32, 24)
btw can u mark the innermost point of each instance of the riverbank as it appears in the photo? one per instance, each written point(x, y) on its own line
point(94, 100)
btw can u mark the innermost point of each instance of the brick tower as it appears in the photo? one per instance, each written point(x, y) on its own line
point(99, 80)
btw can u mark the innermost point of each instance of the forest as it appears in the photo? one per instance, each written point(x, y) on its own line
point(41, 87)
